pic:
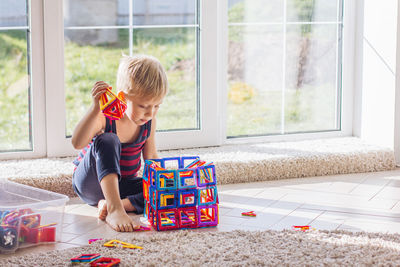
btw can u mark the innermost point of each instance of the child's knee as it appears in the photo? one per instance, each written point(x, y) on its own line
point(107, 141)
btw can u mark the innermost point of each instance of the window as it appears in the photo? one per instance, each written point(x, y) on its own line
point(96, 38)
point(15, 100)
point(236, 68)
point(284, 66)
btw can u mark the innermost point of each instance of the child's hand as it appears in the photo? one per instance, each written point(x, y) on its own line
point(98, 89)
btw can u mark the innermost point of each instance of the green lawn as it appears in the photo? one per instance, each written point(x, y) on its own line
point(87, 64)
point(14, 96)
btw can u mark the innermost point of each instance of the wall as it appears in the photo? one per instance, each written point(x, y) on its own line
point(378, 42)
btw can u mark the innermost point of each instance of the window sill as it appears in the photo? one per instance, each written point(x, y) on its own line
point(234, 163)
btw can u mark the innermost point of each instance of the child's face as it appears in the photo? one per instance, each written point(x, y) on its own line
point(142, 109)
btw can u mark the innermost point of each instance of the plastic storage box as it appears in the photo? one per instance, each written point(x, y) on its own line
point(29, 216)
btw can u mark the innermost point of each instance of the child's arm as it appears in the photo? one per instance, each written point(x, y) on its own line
point(149, 149)
point(93, 122)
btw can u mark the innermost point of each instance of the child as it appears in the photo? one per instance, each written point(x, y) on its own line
point(106, 167)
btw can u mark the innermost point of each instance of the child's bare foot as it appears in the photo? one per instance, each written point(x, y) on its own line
point(120, 221)
point(102, 209)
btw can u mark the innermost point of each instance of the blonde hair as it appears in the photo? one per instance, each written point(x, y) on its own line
point(142, 76)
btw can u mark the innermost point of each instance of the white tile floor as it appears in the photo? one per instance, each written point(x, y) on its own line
point(354, 202)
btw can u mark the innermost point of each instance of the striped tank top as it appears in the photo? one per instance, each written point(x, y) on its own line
point(131, 153)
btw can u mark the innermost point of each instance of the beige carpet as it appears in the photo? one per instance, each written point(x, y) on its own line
point(234, 163)
point(238, 248)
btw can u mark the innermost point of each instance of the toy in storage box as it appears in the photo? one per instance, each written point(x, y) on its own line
point(183, 195)
point(29, 216)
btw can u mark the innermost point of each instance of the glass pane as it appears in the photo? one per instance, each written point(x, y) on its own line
point(312, 10)
point(255, 11)
point(176, 50)
point(311, 78)
point(15, 130)
point(163, 12)
point(13, 13)
point(95, 13)
point(255, 80)
point(90, 56)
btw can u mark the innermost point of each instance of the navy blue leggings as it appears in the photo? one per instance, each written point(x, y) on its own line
point(102, 158)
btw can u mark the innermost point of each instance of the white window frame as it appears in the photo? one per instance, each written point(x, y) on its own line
point(37, 101)
point(48, 96)
point(210, 97)
point(57, 142)
point(346, 122)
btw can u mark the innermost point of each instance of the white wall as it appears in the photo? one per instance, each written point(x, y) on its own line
point(397, 95)
point(378, 42)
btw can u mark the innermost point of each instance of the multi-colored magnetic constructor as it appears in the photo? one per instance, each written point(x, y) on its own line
point(180, 192)
point(113, 106)
point(23, 226)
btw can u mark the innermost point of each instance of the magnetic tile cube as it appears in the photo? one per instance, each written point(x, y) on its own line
point(180, 192)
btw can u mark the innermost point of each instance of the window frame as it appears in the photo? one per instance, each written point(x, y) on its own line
point(48, 95)
point(208, 134)
point(60, 145)
point(37, 86)
point(347, 90)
